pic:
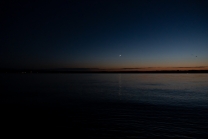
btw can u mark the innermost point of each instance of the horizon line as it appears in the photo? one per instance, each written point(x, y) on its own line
point(178, 68)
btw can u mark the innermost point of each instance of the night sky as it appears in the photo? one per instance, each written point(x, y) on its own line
point(105, 34)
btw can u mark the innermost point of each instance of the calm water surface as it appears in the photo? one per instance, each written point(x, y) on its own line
point(110, 105)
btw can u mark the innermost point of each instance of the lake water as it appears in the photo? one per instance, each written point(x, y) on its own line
point(109, 105)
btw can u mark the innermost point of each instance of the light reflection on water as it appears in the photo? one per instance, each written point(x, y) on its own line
point(172, 89)
point(109, 105)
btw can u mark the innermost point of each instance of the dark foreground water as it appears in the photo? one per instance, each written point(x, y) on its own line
point(108, 105)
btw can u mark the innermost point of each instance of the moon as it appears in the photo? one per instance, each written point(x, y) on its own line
point(119, 55)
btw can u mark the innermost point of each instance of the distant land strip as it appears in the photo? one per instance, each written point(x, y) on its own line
point(98, 71)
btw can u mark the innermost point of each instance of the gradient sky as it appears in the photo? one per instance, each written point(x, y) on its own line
point(93, 33)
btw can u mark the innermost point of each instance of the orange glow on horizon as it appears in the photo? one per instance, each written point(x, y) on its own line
point(155, 68)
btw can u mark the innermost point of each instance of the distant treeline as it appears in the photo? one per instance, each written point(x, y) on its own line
point(97, 71)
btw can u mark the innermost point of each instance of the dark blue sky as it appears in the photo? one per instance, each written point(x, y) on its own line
point(92, 34)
